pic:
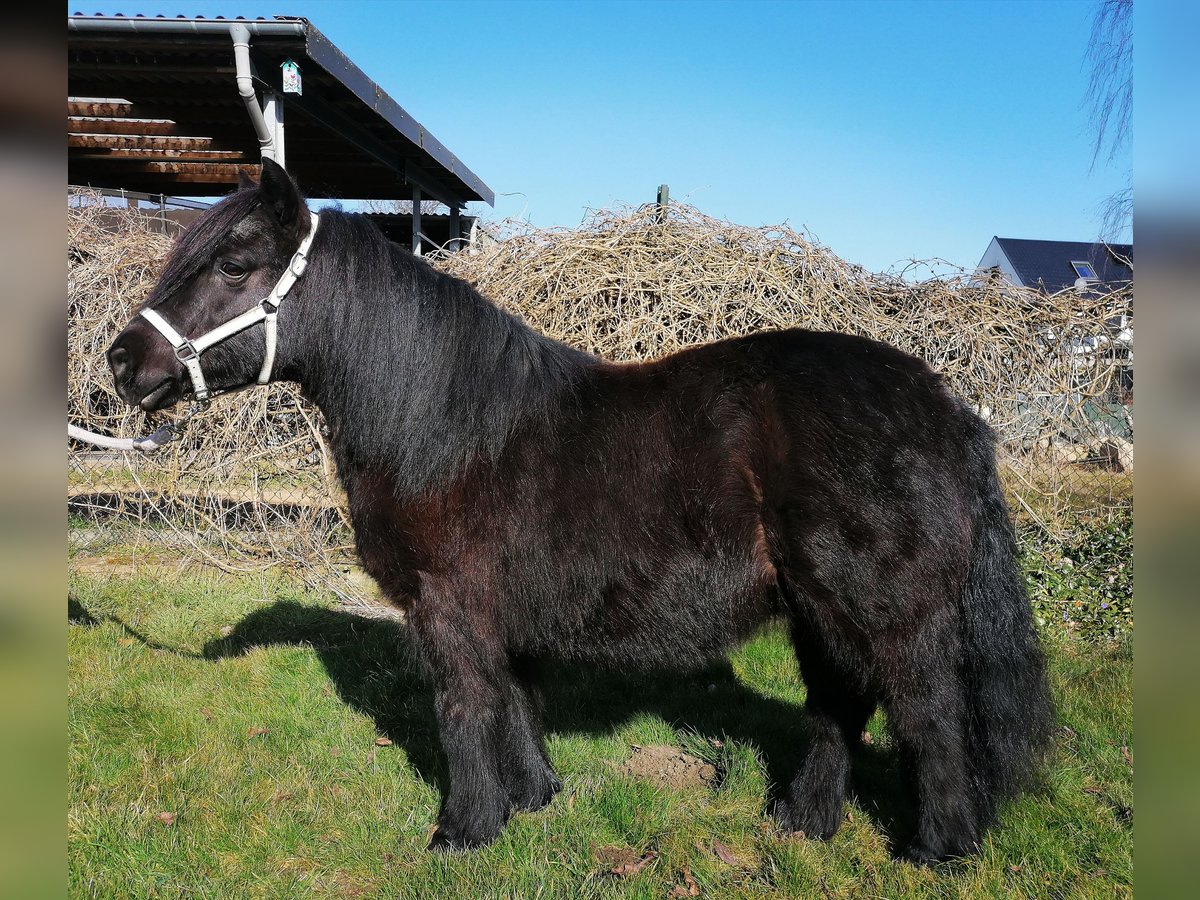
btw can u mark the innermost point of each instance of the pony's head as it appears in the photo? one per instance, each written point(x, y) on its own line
point(222, 266)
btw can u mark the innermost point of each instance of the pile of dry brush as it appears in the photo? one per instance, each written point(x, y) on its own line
point(255, 483)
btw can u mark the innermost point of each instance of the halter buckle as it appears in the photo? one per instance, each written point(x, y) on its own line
point(186, 352)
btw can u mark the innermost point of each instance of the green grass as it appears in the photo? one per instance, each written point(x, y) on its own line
point(171, 681)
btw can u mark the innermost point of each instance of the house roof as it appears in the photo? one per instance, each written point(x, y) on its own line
point(1047, 264)
point(153, 106)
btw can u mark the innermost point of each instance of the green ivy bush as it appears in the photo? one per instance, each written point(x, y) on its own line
point(1083, 582)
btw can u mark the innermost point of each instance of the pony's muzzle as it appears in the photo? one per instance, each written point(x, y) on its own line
point(144, 374)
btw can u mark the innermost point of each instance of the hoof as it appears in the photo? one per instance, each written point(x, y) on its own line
point(919, 853)
point(532, 799)
point(809, 823)
point(442, 842)
point(451, 836)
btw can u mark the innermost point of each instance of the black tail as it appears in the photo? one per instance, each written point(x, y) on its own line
point(1010, 713)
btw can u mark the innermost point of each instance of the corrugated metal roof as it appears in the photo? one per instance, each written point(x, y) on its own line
point(156, 109)
point(1047, 264)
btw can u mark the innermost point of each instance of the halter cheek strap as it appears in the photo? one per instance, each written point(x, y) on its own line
point(188, 351)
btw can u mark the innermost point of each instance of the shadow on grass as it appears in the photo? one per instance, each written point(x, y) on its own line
point(375, 670)
point(77, 614)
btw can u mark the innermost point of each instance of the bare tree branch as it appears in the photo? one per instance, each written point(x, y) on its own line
point(1117, 213)
point(1109, 94)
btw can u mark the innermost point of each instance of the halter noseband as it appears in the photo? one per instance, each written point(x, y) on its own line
point(188, 351)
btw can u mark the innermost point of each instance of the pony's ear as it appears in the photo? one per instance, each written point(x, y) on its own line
point(279, 193)
point(245, 181)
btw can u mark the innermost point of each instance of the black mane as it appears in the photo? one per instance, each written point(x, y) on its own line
point(437, 373)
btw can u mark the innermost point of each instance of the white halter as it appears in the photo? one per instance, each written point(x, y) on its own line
point(188, 351)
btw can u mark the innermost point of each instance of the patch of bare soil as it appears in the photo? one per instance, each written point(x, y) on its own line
point(669, 767)
point(124, 564)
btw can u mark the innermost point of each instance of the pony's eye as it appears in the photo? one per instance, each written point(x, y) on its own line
point(230, 269)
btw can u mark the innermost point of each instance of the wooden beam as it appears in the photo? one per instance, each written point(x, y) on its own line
point(103, 126)
point(166, 185)
point(235, 133)
point(166, 182)
point(155, 167)
point(149, 142)
point(178, 111)
point(113, 175)
point(229, 156)
point(108, 109)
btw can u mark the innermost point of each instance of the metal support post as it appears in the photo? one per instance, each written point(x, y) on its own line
point(416, 220)
point(455, 230)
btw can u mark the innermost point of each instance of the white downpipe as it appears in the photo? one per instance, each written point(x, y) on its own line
point(245, 82)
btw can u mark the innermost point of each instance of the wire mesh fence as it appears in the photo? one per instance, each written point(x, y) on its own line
point(254, 487)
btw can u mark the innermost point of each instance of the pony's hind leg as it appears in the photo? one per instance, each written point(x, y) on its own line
point(524, 767)
point(838, 711)
point(927, 715)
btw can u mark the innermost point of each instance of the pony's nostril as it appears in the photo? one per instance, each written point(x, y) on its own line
point(118, 361)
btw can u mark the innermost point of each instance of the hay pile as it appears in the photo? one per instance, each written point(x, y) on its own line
point(629, 286)
point(252, 484)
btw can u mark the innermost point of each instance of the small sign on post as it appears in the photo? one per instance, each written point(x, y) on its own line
point(291, 78)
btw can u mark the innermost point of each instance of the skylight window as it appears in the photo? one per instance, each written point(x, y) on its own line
point(1084, 270)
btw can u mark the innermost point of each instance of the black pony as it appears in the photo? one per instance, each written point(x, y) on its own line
point(522, 500)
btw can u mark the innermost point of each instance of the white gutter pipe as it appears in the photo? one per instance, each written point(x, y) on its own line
point(245, 83)
point(148, 25)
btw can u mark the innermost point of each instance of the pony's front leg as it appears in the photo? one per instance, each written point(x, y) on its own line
point(524, 766)
point(477, 804)
point(469, 679)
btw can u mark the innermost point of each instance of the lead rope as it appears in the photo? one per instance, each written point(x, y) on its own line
point(172, 431)
point(188, 353)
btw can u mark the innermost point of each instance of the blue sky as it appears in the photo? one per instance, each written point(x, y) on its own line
point(889, 130)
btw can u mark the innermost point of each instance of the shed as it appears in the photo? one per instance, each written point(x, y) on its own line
point(181, 106)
